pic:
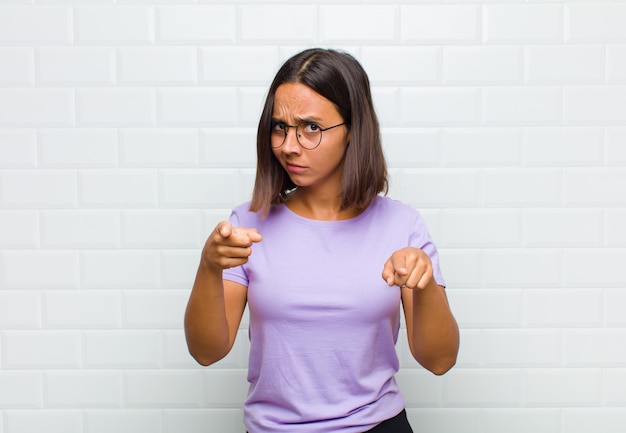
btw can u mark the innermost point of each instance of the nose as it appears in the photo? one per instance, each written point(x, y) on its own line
point(291, 145)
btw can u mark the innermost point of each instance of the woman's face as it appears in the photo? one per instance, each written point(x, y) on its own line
point(296, 103)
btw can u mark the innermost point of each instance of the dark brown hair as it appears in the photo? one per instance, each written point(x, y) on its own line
point(338, 77)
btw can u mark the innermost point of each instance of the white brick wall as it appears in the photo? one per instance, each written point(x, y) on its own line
point(127, 131)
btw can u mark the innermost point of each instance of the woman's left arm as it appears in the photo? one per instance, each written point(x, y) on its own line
point(431, 328)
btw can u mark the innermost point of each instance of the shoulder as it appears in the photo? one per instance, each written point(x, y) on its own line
point(242, 215)
point(390, 207)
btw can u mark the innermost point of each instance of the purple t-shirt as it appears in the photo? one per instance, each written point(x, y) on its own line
point(323, 322)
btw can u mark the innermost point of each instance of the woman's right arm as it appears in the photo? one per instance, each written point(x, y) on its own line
point(215, 305)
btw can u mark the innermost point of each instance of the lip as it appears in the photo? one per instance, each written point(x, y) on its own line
point(294, 168)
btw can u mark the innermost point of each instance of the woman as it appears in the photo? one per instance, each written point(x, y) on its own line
point(307, 254)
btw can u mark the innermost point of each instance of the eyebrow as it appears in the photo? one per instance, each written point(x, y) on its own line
point(309, 119)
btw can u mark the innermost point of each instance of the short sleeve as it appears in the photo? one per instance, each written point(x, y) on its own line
point(420, 238)
point(238, 273)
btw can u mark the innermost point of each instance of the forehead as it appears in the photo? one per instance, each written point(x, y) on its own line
point(299, 101)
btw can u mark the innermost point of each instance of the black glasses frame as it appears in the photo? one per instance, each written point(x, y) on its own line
point(297, 127)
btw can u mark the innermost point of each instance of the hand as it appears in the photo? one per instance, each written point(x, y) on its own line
point(228, 246)
point(408, 267)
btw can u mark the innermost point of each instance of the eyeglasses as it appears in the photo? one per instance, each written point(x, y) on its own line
point(309, 135)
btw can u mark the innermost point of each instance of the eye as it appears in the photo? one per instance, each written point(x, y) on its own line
point(278, 127)
point(311, 128)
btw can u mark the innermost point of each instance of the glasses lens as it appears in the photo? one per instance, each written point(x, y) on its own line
point(309, 135)
point(277, 137)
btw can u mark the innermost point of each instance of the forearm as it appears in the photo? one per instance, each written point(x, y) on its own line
point(206, 325)
point(435, 333)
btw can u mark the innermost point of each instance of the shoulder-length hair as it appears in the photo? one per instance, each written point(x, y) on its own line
point(338, 77)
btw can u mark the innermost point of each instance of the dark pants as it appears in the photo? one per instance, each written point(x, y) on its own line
point(397, 424)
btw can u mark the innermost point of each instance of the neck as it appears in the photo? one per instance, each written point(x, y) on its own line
point(322, 208)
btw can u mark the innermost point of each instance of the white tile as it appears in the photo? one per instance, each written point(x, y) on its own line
point(157, 65)
point(511, 268)
point(412, 64)
point(114, 24)
point(163, 147)
point(594, 187)
point(165, 389)
point(196, 23)
point(79, 147)
point(515, 23)
point(561, 64)
point(20, 309)
point(19, 229)
point(83, 389)
point(476, 308)
point(615, 149)
point(37, 189)
point(80, 229)
point(149, 309)
point(613, 387)
point(582, 420)
point(420, 387)
point(563, 227)
point(199, 188)
point(595, 22)
point(497, 387)
point(520, 420)
point(615, 227)
point(253, 21)
point(482, 65)
point(232, 64)
point(42, 24)
point(616, 64)
point(481, 228)
point(21, 389)
point(594, 105)
point(440, 23)
point(26, 350)
point(197, 421)
point(75, 66)
point(521, 187)
point(411, 147)
point(439, 187)
point(162, 229)
point(563, 146)
point(362, 23)
point(605, 263)
point(444, 419)
point(571, 387)
point(480, 147)
point(51, 421)
point(121, 349)
point(563, 308)
point(82, 309)
point(123, 420)
point(435, 106)
point(521, 105)
point(178, 268)
point(115, 107)
point(18, 148)
point(40, 107)
point(118, 188)
point(120, 269)
point(55, 269)
point(593, 348)
point(197, 106)
point(522, 348)
point(17, 66)
point(228, 147)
